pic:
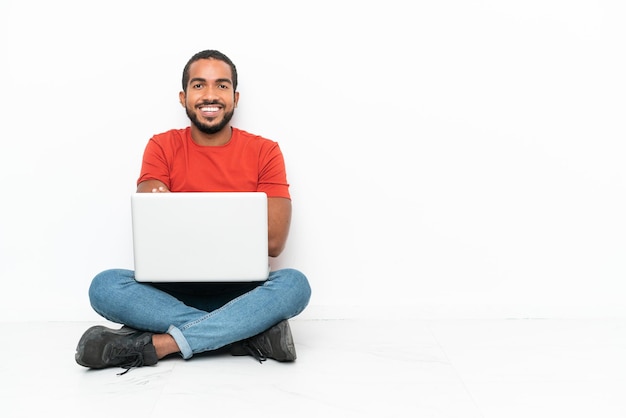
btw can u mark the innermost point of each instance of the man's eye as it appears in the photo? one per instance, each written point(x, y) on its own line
point(197, 86)
point(223, 86)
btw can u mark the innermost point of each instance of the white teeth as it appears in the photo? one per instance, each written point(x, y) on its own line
point(209, 109)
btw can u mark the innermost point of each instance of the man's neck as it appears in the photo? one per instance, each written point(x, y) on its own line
point(211, 140)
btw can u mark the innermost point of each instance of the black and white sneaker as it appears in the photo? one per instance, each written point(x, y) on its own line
point(102, 347)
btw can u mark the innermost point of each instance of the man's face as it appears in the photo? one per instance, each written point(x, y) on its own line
point(210, 99)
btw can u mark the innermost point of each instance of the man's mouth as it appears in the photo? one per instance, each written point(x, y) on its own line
point(209, 110)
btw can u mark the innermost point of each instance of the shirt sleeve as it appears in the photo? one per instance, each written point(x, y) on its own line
point(273, 175)
point(154, 165)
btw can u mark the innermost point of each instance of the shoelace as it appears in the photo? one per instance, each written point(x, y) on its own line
point(254, 351)
point(131, 353)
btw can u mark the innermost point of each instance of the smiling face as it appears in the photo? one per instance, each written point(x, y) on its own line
point(210, 97)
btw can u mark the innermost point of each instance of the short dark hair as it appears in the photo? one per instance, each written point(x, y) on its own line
point(209, 54)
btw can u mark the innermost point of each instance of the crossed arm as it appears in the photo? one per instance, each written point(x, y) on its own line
point(278, 212)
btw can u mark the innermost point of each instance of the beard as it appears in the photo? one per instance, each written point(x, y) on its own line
point(205, 127)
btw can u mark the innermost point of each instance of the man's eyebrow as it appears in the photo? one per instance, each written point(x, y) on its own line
point(203, 80)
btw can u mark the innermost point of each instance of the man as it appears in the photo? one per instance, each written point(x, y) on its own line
point(208, 156)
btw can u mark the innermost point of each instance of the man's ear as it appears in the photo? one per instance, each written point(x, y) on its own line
point(181, 98)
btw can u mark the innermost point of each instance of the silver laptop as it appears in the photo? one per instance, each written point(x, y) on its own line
point(200, 237)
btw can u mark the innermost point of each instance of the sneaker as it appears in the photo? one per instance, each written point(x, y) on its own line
point(101, 347)
point(275, 343)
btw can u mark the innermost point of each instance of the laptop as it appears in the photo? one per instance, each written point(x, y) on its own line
point(200, 236)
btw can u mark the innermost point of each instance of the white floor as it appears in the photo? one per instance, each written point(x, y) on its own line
point(345, 368)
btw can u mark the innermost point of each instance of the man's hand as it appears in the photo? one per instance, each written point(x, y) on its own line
point(152, 186)
point(160, 189)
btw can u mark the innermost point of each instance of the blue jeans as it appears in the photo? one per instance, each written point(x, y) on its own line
point(200, 316)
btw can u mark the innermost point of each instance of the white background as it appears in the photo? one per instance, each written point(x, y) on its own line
point(447, 159)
